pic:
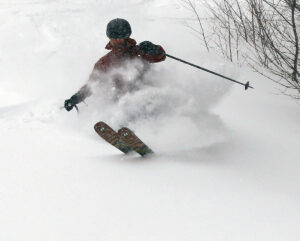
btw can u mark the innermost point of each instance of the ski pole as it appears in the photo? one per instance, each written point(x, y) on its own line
point(247, 85)
point(76, 108)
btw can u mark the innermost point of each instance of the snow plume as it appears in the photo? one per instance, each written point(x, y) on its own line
point(169, 97)
point(166, 108)
point(128, 94)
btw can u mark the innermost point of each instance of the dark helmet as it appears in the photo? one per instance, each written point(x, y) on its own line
point(118, 28)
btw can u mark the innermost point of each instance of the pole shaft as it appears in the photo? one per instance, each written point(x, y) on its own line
point(209, 71)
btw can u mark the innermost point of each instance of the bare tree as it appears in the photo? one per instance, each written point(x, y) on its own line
point(264, 33)
point(191, 4)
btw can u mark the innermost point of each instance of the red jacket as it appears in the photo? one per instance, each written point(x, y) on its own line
point(115, 58)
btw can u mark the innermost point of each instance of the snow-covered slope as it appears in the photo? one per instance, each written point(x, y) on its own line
point(227, 162)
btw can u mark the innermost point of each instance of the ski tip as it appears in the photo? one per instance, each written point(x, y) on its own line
point(99, 125)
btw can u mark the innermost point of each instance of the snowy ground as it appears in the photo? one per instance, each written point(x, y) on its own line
point(227, 163)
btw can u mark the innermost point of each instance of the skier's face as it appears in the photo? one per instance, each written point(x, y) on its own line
point(116, 42)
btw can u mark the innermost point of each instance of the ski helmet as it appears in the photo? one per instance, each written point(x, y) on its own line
point(118, 28)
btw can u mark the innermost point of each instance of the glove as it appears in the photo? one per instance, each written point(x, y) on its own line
point(73, 101)
point(146, 47)
point(69, 104)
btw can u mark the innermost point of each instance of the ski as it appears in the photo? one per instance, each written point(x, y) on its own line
point(127, 136)
point(125, 140)
point(111, 136)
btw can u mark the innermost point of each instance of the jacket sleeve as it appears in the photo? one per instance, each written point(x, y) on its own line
point(83, 92)
point(100, 67)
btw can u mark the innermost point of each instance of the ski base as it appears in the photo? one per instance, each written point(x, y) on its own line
point(125, 140)
point(112, 137)
point(127, 136)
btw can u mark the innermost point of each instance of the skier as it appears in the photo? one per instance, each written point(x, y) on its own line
point(123, 49)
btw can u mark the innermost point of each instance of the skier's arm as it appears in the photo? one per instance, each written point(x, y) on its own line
point(85, 91)
point(151, 52)
point(79, 96)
